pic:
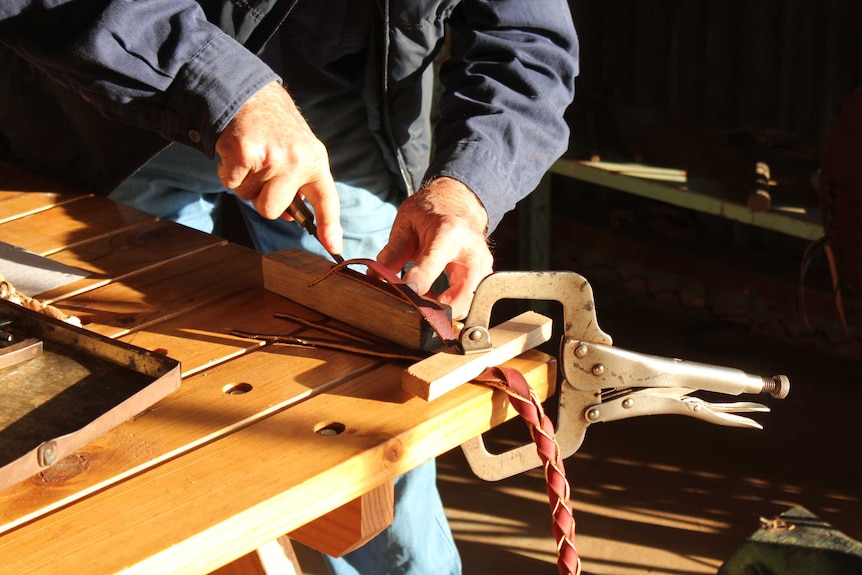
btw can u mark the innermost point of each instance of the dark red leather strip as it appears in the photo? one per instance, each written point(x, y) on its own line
point(527, 404)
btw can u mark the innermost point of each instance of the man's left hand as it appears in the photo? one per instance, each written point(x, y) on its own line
point(441, 228)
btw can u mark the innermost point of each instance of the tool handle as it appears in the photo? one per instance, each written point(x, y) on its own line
point(302, 215)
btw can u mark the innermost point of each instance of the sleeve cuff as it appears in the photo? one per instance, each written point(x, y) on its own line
point(209, 91)
point(471, 164)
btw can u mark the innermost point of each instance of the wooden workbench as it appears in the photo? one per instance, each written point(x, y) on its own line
point(233, 459)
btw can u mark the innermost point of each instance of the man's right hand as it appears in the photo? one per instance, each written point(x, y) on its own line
point(269, 154)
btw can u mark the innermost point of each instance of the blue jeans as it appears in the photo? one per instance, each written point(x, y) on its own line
point(180, 184)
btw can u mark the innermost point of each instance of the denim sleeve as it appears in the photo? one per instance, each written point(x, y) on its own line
point(505, 91)
point(158, 65)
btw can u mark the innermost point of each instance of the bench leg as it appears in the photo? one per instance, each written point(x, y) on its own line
point(275, 558)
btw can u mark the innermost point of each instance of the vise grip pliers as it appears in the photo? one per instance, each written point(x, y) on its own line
point(602, 383)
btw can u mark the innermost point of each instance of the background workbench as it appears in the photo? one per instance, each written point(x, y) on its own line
point(232, 460)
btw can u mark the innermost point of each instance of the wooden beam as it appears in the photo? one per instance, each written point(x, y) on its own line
point(350, 526)
point(444, 371)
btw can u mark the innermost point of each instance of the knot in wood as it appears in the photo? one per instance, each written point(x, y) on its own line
point(393, 452)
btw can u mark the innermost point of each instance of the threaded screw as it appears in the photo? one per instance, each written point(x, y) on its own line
point(778, 386)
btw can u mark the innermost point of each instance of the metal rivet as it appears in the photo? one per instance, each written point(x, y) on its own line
point(628, 403)
point(47, 454)
point(598, 369)
point(237, 388)
point(330, 429)
point(194, 136)
point(593, 414)
point(475, 335)
point(581, 350)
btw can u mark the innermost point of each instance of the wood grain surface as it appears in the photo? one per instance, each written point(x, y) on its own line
point(234, 459)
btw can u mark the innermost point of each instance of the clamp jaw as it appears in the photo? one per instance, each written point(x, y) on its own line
point(603, 383)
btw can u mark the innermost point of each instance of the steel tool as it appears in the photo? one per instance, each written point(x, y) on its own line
point(303, 216)
point(603, 383)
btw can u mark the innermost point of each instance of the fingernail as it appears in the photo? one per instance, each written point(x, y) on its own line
point(413, 286)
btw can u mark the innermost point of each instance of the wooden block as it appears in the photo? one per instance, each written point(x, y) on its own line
point(350, 526)
point(444, 371)
point(348, 298)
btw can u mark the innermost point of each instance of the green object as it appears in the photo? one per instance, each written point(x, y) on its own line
point(795, 543)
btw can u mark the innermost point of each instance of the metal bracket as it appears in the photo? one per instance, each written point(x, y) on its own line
point(570, 289)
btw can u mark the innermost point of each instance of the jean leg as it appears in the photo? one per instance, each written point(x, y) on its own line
point(178, 184)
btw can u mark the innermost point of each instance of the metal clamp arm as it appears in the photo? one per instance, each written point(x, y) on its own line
point(568, 288)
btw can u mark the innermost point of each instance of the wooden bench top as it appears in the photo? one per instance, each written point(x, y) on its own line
point(233, 459)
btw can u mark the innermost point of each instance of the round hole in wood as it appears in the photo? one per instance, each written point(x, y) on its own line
point(237, 388)
point(330, 428)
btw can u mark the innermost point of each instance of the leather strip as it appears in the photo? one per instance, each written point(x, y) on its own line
point(388, 351)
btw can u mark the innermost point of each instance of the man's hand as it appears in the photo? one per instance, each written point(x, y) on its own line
point(441, 228)
point(269, 154)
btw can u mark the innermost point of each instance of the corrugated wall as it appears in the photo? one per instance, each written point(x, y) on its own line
point(778, 64)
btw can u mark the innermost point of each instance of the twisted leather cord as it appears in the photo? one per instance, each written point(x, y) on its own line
point(527, 404)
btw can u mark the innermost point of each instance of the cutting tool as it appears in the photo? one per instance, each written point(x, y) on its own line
point(603, 383)
point(303, 216)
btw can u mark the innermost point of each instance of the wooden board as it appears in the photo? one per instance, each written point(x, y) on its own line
point(200, 411)
point(241, 503)
point(112, 257)
point(70, 224)
point(200, 338)
point(19, 205)
point(347, 299)
point(447, 370)
point(159, 293)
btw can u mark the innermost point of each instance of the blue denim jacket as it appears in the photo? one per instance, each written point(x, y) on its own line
point(95, 88)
